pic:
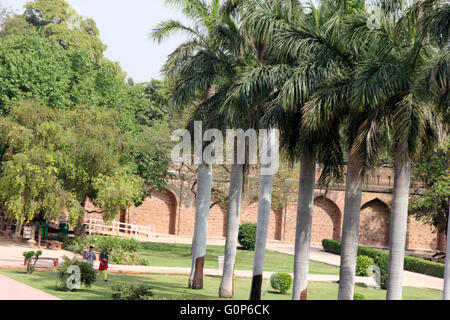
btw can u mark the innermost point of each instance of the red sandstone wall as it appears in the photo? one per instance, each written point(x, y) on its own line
point(162, 212)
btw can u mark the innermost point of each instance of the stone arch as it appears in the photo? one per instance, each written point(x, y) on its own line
point(326, 221)
point(159, 211)
point(374, 224)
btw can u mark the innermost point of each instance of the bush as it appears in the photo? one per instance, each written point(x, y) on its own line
point(87, 273)
point(29, 255)
point(381, 259)
point(247, 235)
point(430, 268)
point(362, 265)
point(121, 256)
point(331, 246)
point(281, 282)
point(144, 262)
point(131, 292)
point(359, 296)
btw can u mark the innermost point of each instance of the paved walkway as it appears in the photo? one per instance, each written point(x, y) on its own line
point(15, 290)
point(11, 254)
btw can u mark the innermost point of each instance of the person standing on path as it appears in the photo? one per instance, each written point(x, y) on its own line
point(90, 256)
point(104, 259)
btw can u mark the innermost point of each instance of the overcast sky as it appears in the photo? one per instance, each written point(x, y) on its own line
point(124, 27)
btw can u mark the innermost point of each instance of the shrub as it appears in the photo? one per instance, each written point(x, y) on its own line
point(87, 273)
point(430, 268)
point(281, 282)
point(29, 255)
point(381, 259)
point(144, 262)
point(121, 256)
point(102, 242)
point(247, 235)
point(359, 296)
point(124, 291)
point(362, 265)
point(331, 246)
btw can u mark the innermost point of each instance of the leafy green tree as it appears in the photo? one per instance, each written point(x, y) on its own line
point(57, 21)
point(32, 67)
point(150, 101)
point(432, 171)
point(13, 25)
point(54, 160)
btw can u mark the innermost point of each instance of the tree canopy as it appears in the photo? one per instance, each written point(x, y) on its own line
point(58, 21)
point(54, 159)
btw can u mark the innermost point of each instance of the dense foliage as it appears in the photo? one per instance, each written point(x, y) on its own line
point(57, 21)
point(247, 235)
point(53, 160)
point(362, 265)
point(87, 273)
point(432, 173)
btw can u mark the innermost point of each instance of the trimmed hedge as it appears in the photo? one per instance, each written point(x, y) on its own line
point(425, 267)
point(381, 259)
point(331, 246)
point(281, 281)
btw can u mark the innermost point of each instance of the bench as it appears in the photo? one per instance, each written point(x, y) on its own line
point(55, 260)
point(52, 244)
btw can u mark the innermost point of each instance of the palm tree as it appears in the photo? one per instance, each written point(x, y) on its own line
point(273, 87)
point(264, 208)
point(432, 85)
point(200, 71)
point(415, 123)
point(202, 206)
point(384, 85)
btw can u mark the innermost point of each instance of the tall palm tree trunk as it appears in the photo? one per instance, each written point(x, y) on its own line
point(350, 229)
point(303, 228)
point(446, 295)
point(202, 206)
point(233, 219)
point(264, 206)
point(399, 224)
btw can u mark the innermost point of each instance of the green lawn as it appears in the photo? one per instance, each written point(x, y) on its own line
point(178, 255)
point(176, 285)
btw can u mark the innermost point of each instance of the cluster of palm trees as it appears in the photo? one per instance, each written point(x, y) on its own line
point(335, 86)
